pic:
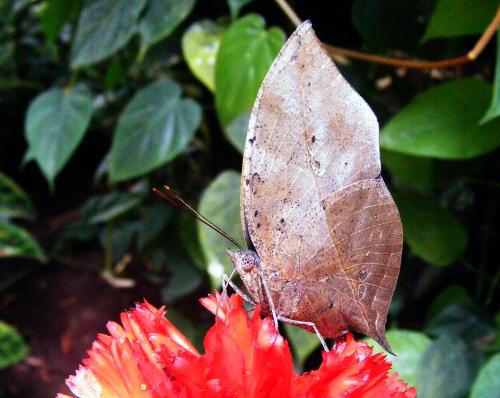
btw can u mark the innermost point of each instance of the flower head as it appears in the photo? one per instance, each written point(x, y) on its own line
point(245, 357)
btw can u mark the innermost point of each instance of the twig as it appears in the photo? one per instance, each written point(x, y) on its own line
point(485, 37)
point(405, 63)
point(290, 13)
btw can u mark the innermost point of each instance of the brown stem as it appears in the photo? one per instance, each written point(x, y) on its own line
point(404, 63)
point(485, 37)
point(290, 13)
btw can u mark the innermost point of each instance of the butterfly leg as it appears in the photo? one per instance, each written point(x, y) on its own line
point(310, 324)
point(226, 280)
point(269, 299)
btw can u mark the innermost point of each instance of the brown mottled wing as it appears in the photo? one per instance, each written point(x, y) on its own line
point(313, 202)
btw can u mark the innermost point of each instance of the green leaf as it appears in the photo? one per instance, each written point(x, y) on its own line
point(104, 208)
point(152, 223)
point(245, 55)
point(236, 5)
point(155, 126)
point(183, 276)
point(236, 131)
point(409, 346)
point(200, 45)
point(497, 325)
point(388, 24)
point(56, 122)
point(443, 123)
point(13, 200)
point(220, 203)
point(160, 19)
point(487, 384)
point(115, 74)
point(494, 109)
point(452, 18)
point(447, 369)
point(302, 342)
point(451, 295)
point(430, 231)
point(17, 242)
point(117, 238)
point(409, 171)
point(56, 15)
point(13, 348)
point(104, 27)
point(464, 319)
point(187, 227)
point(185, 279)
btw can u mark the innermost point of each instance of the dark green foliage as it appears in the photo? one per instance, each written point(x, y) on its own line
point(13, 348)
point(116, 97)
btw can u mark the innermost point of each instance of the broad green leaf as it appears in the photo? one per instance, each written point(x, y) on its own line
point(487, 384)
point(236, 131)
point(104, 27)
point(160, 19)
point(447, 369)
point(409, 171)
point(451, 295)
point(17, 242)
point(104, 208)
point(464, 319)
point(220, 203)
point(388, 23)
point(153, 222)
point(155, 126)
point(13, 348)
point(236, 5)
point(56, 122)
point(187, 227)
point(452, 18)
point(494, 109)
point(180, 276)
point(200, 45)
point(302, 342)
point(185, 279)
point(430, 231)
point(13, 200)
point(409, 346)
point(116, 239)
point(245, 55)
point(443, 123)
point(56, 14)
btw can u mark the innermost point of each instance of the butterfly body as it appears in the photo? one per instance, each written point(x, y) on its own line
point(323, 230)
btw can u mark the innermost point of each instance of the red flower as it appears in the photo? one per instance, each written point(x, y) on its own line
point(244, 358)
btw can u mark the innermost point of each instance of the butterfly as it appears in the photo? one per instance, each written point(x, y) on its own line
point(324, 235)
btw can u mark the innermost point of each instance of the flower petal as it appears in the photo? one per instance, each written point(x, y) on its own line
point(245, 357)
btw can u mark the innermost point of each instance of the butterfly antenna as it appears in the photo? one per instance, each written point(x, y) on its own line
point(175, 200)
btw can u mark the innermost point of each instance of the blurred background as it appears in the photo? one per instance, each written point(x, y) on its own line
point(101, 100)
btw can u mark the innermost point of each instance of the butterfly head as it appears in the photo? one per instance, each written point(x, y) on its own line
point(247, 263)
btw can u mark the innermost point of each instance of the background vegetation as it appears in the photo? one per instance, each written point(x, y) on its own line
point(101, 100)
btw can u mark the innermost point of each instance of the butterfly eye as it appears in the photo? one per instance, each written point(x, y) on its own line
point(248, 263)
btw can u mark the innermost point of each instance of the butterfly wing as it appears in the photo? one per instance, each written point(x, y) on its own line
point(313, 203)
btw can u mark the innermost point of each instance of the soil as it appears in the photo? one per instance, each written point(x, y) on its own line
point(59, 309)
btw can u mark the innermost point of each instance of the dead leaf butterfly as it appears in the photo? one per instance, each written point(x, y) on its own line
point(323, 232)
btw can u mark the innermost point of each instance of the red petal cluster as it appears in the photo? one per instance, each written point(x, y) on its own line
point(244, 357)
